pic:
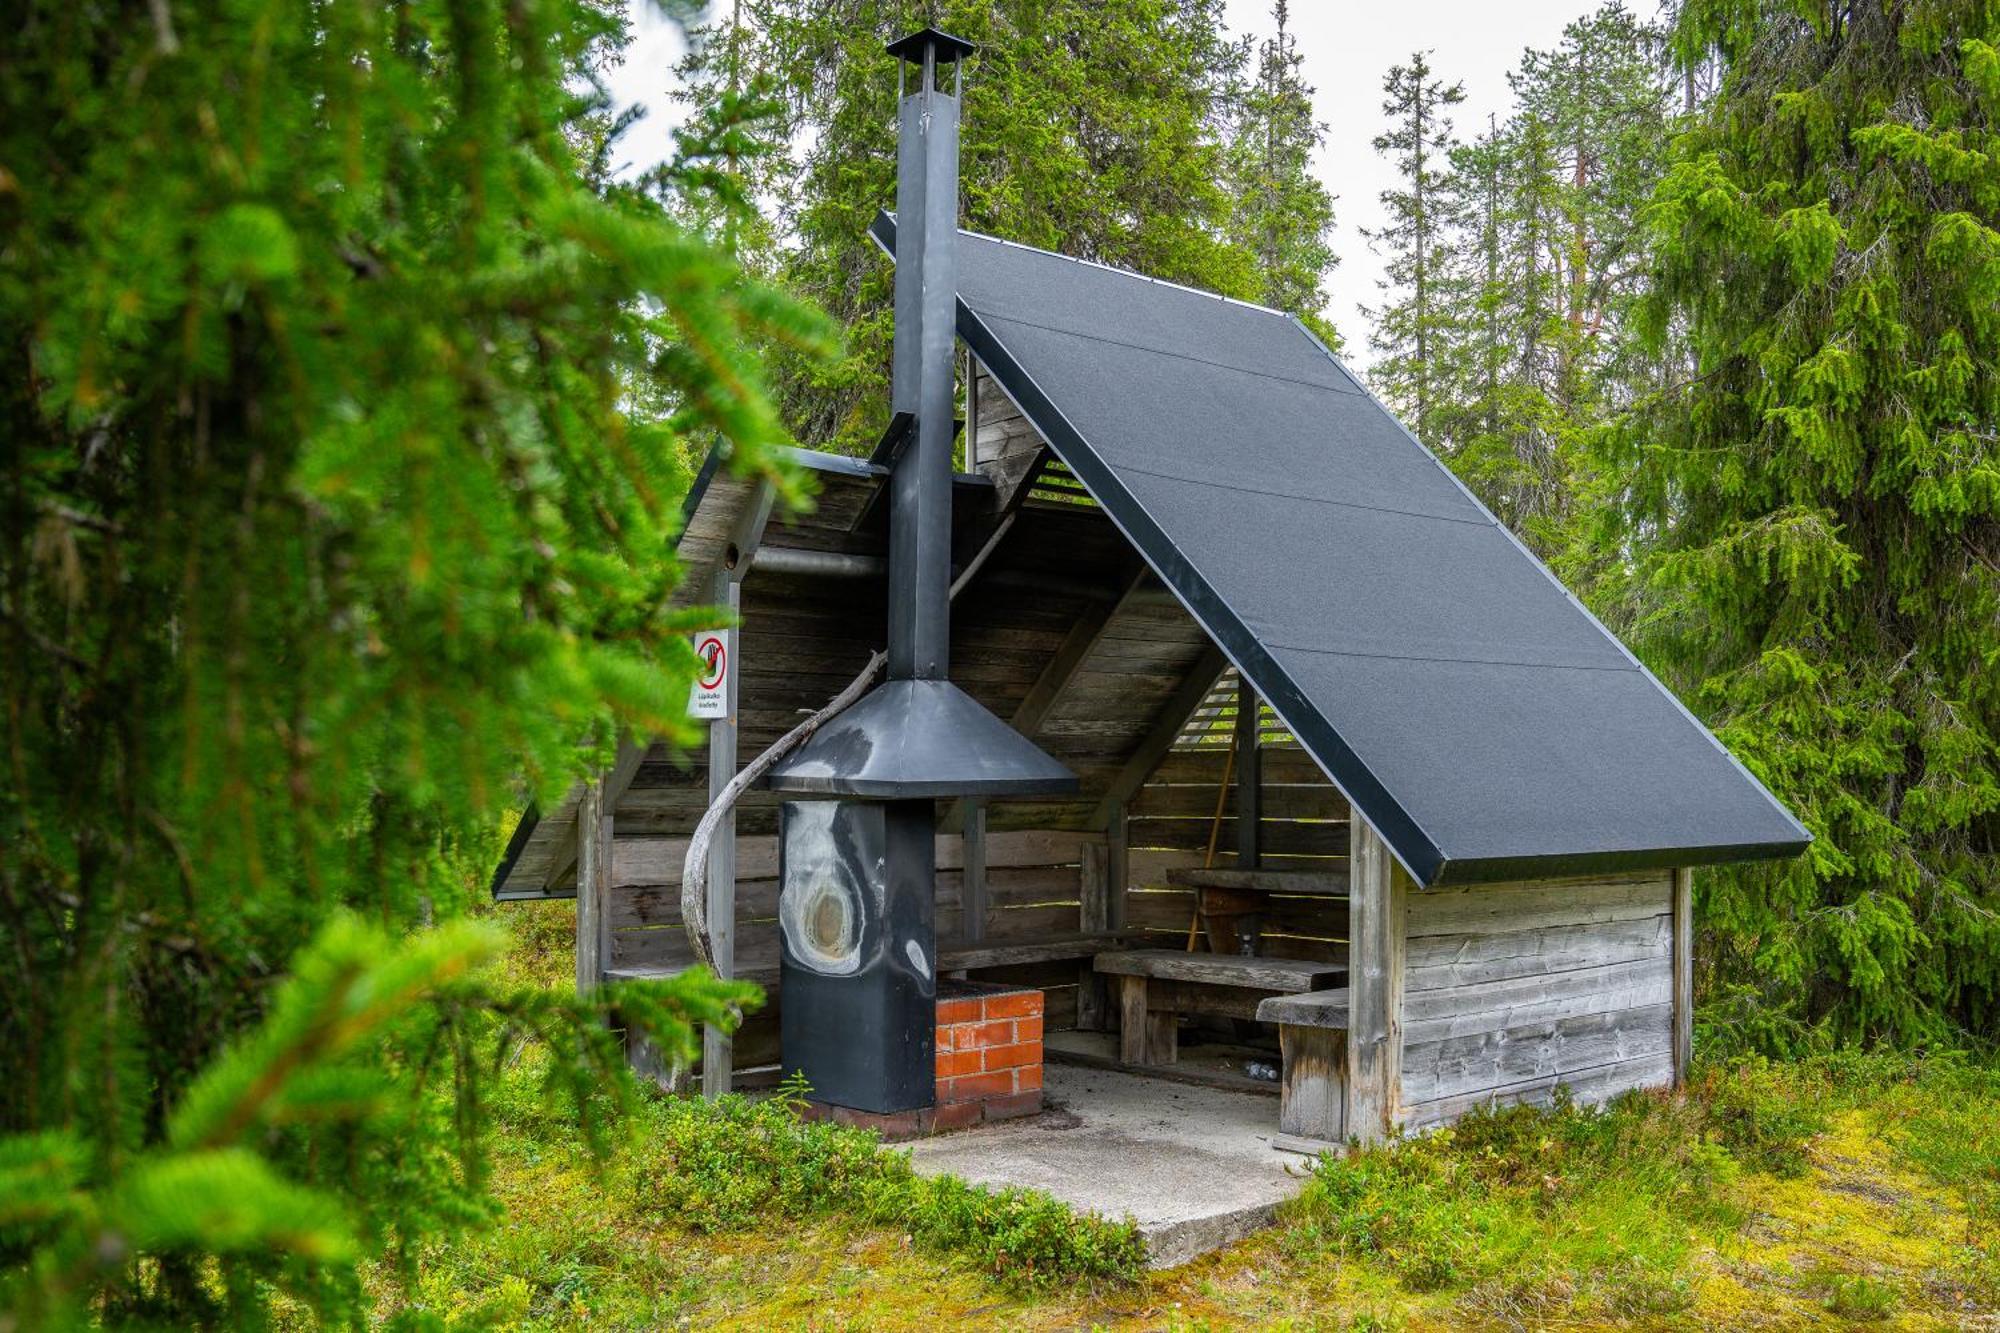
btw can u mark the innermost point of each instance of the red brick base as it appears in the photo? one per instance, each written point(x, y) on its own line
point(989, 1064)
point(989, 1053)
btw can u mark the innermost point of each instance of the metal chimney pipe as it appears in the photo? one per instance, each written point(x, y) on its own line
point(922, 369)
point(857, 911)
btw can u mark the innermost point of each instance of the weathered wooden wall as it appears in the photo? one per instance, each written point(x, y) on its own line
point(1511, 989)
point(1304, 827)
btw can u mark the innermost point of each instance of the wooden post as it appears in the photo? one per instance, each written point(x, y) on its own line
point(593, 880)
point(1249, 778)
point(1313, 1103)
point(972, 898)
point(1375, 986)
point(718, 1052)
point(1094, 917)
point(1683, 974)
point(1117, 867)
point(1145, 1037)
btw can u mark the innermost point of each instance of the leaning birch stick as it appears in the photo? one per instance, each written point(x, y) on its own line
point(1214, 836)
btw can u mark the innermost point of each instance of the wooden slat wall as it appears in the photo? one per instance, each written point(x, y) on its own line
point(1511, 989)
point(1305, 827)
point(1033, 891)
point(1001, 432)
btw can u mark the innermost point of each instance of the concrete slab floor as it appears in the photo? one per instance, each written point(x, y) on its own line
point(1193, 1166)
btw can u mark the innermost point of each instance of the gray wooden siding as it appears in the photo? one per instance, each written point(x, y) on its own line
point(1510, 990)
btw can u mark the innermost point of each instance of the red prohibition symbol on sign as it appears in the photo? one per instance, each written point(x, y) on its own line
point(715, 659)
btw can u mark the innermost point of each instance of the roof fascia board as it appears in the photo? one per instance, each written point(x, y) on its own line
point(523, 831)
point(1618, 861)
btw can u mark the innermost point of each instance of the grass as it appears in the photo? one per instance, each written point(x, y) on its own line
point(708, 1203)
point(1849, 1189)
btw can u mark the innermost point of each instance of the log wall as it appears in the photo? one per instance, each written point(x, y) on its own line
point(1509, 990)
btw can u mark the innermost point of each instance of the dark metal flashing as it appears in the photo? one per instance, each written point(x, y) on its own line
point(516, 845)
point(1500, 870)
point(709, 465)
point(894, 440)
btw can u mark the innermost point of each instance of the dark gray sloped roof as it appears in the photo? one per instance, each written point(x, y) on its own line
point(1474, 712)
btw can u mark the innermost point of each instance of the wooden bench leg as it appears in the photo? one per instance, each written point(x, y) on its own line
point(1313, 1096)
point(1132, 1020)
point(1163, 1037)
point(1093, 1002)
point(1146, 1036)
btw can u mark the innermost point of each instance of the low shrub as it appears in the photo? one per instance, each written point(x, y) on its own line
point(1022, 1235)
point(1761, 1114)
point(734, 1164)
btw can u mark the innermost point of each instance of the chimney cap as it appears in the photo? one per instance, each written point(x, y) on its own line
point(949, 48)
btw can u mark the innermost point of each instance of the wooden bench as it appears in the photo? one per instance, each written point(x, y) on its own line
point(952, 957)
point(1156, 986)
point(1312, 1037)
point(1048, 949)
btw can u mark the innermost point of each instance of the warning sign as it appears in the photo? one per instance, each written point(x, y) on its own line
point(709, 697)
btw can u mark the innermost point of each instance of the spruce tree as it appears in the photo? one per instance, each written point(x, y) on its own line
point(1282, 213)
point(1816, 508)
point(1411, 330)
point(1601, 98)
point(1554, 255)
point(1098, 129)
point(329, 536)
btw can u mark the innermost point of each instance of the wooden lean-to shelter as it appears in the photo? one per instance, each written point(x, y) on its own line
point(1352, 770)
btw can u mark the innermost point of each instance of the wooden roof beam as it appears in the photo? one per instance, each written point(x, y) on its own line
point(1166, 729)
point(1046, 692)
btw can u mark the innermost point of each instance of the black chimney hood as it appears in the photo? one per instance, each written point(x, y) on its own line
point(917, 738)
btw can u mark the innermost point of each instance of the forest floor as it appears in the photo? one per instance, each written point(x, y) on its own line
point(1841, 1189)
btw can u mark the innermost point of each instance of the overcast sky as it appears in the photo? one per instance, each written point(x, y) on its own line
point(1347, 47)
